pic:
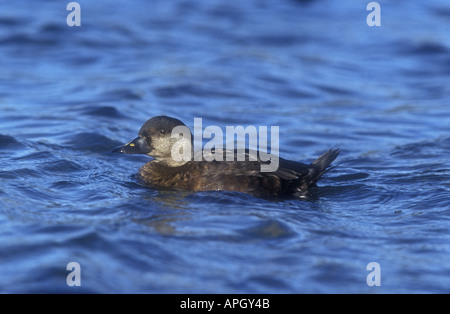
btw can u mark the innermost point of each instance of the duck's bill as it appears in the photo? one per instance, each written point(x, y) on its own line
point(136, 146)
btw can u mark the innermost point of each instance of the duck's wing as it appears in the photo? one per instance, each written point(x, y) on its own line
point(253, 163)
point(310, 173)
point(291, 170)
point(302, 177)
point(283, 168)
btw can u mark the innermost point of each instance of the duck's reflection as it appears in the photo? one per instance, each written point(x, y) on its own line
point(165, 210)
point(168, 207)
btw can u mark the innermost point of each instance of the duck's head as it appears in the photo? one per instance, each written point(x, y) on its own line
point(163, 138)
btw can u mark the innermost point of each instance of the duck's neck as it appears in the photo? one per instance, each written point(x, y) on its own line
point(174, 162)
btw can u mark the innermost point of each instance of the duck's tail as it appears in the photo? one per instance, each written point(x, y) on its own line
point(322, 164)
point(316, 170)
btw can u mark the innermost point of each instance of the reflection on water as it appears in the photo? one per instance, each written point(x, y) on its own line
point(171, 205)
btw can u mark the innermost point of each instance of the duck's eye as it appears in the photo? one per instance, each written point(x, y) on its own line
point(162, 131)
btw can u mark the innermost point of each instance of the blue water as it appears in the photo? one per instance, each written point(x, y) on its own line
point(69, 95)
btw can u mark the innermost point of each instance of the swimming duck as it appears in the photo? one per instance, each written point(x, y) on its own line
point(155, 140)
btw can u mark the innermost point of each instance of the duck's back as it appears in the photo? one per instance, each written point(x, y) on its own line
point(242, 176)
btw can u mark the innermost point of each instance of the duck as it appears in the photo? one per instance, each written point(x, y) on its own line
point(198, 173)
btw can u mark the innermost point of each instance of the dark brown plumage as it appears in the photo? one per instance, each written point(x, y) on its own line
point(291, 178)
